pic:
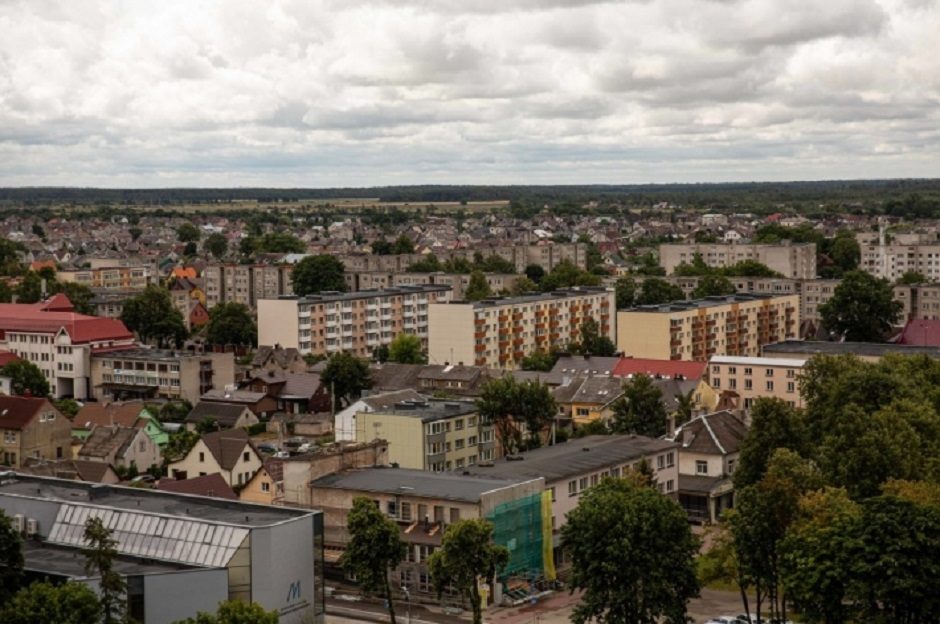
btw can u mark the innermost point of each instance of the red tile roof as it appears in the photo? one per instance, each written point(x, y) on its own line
point(40, 318)
point(664, 368)
point(17, 412)
point(922, 333)
point(6, 357)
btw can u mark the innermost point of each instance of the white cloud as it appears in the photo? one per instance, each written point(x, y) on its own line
point(340, 92)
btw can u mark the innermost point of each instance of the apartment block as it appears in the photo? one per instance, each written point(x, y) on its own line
point(891, 261)
point(500, 332)
point(246, 283)
point(790, 260)
point(357, 323)
point(157, 373)
point(752, 378)
point(546, 255)
point(120, 278)
point(699, 329)
point(457, 282)
point(431, 435)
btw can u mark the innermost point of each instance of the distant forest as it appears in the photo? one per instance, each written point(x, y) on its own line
point(902, 197)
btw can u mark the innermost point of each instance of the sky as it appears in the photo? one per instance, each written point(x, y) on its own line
point(325, 93)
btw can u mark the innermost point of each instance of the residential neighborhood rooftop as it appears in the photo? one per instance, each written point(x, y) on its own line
point(698, 304)
point(421, 483)
point(328, 296)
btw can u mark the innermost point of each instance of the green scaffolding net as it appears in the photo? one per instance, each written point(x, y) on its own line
point(517, 525)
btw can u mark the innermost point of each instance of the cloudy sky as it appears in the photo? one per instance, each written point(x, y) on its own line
point(369, 92)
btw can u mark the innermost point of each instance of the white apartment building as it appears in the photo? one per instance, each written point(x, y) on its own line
point(794, 260)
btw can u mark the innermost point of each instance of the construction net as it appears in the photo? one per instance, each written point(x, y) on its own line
point(517, 525)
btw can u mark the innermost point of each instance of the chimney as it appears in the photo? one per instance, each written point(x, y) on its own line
point(671, 425)
point(686, 436)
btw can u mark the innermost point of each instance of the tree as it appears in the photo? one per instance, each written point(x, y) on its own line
point(153, 317)
point(315, 274)
point(231, 323)
point(845, 251)
point(625, 291)
point(375, 546)
point(278, 242)
point(406, 349)
point(592, 343)
point(30, 288)
point(68, 407)
point(381, 247)
point(862, 308)
point(539, 361)
point(346, 376)
point(912, 277)
point(79, 294)
point(656, 291)
point(216, 244)
point(749, 268)
point(632, 554)
point(522, 286)
point(6, 293)
point(99, 561)
point(509, 404)
point(467, 553)
point(478, 288)
point(403, 245)
point(535, 272)
point(640, 410)
point(188, 233)
point(190, 249)
point(566, 275)
point(11, 559)
point(26, 378)
point(135, 233)
point(774, 425)
point(713, 285)
point(179, 444)
point(235, 612)
point(10, 251)
point(42, 603)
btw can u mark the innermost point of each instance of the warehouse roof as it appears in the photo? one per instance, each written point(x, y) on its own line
point(420, 483)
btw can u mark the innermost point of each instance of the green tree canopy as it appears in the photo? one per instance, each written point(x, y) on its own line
point(231, 323)
point(713, 285)
point(539, 361)
point(79, 294)
point(26, 378)
point(640, 409)
point(478, 288)
point(374, 548)
point(216, 244)
point(632, 554)
point(346, 376)
point(467, 552)
point(152, 316)
point(406, 349)
point(188, 233)
point(522, 286)
point(774, 425)
point(656, 291)
point(625, 291)
point(100, 552)
point(514, 406)
point(315, 274)
point(845, 252)
point(912, 277)
point(535, 272)
point(235, 612)
point(403, 245)
point(43, 603)
point(11, 559)
point(566, 275)
point(592, 342)
point(278, 242)
point(862, 308)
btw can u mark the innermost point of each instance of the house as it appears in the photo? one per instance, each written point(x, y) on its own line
point(129, 414)
point(709, 447)
point(32, 427)
point(391, 376)
point(278, 359)
point(225, 415)
point(75, 469)
point(261, 404)
point(211, 485)
point(345, 421)
point(452, 379)
point(121, 447)
point(295, 393)
point(298, 471)
point(266, 486)
point(585, 399)
point(229, 453)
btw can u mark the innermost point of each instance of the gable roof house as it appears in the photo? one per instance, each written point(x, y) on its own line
point(709, 447)
point(278, 359)
point(228, 453)
point(133, 414)
point(32, 427)
point(225, 415)
point(295, 393)
point(121, 447)
point(74, 469)
point(212, 485)
point(260, 403)
point(344, 424)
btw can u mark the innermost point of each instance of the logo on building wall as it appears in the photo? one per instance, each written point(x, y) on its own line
point(294, 592)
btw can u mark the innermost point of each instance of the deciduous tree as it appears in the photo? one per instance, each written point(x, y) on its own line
point(43, 603)
point(346, 376)
point(862, 308)
point(478, 288)
point(188, 233)
point(235, 612)
point(640, 409)
point(11, 559)
point(216, 244)
point(315, 274)
point(406, 349)
point(231, 323)
point(153, 317)
point(656, 291)
point(514, 406)
point(26, 378)
point(100, 553)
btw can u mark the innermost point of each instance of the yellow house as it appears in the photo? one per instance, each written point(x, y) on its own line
point(586, 399)
point(705, 397)
point(266, 486)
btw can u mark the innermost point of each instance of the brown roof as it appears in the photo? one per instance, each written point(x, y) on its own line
point(449, 372)
point(225, 414)
point(275, 469)
point(392, 376)
point(103, 415)
point(106, 440)
point(18, 412)
point(388, 399)
point(720, 433)
point(209, 485)
point(227, 446)
point(75, 469)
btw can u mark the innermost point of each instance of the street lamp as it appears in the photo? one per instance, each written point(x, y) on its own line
point(408, 599)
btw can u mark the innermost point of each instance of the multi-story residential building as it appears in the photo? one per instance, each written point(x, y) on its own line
point(891, 261)
point(246, 283)
point(868, 351)
point(458, 282)
point(60, 341)
point(424, 503)
point(570, 469)
point(546, 255)
point(790, 260)
point(431, 435)
point(158, 373)
point(121, 278)
point(751, 378)
point(357, 323)
point(498, 333)
point(179, 554)
point(32, 428)
point(699, 329)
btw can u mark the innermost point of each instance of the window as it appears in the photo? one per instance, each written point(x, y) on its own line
point(670, 485)
point(791, 387)
point(748, 384)
point(770, 386)
point(454, 515)
point(701, 467)
point(572, 488)
point(670, 459)
point(265, 486)
point(660, 462)
point(202, 457)
point(747, 371)
point(406, 512)
point(582, 484)
point(730, 466)
point(594, 479)
point(392, 508)
point(770, 372)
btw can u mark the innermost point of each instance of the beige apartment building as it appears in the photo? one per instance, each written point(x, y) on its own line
point(752, 378)
point(120, 278)
point(891, 261)
point(431, 435)
point(546, 255)
point(357, 323)
point(699, 329)
point(498, 333)
point(797, 261)
point(457, 282)
point(246, 283)
point(157, 373)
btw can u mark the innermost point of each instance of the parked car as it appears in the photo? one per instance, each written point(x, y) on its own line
point(144, 478)
point(267, 447)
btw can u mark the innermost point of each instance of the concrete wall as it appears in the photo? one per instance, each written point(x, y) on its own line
point(405, 436)
point(450, 333)
point(643, 334)
point(278, 322)
point(180, 595)
point(282, 568)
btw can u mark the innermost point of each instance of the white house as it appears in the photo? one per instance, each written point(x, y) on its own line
point(228, 453)
point(344, 423)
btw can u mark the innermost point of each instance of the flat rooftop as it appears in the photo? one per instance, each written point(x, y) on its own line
point(421, 483)
point(573, 458)
point(870, 349)
point(707, 302)
point(328, 296)
point(564, 293)
point(152, 354)
point(430, 410)
point(146, 500)
point(46, 558)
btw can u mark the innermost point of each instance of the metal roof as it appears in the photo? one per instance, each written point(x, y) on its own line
point(419, 483)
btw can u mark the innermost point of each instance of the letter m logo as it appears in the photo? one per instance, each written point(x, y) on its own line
point(294, 592)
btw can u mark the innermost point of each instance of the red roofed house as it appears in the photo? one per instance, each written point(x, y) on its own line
point(672, 369)
point(60, 341)
point(32, 428)
point(921, 332)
